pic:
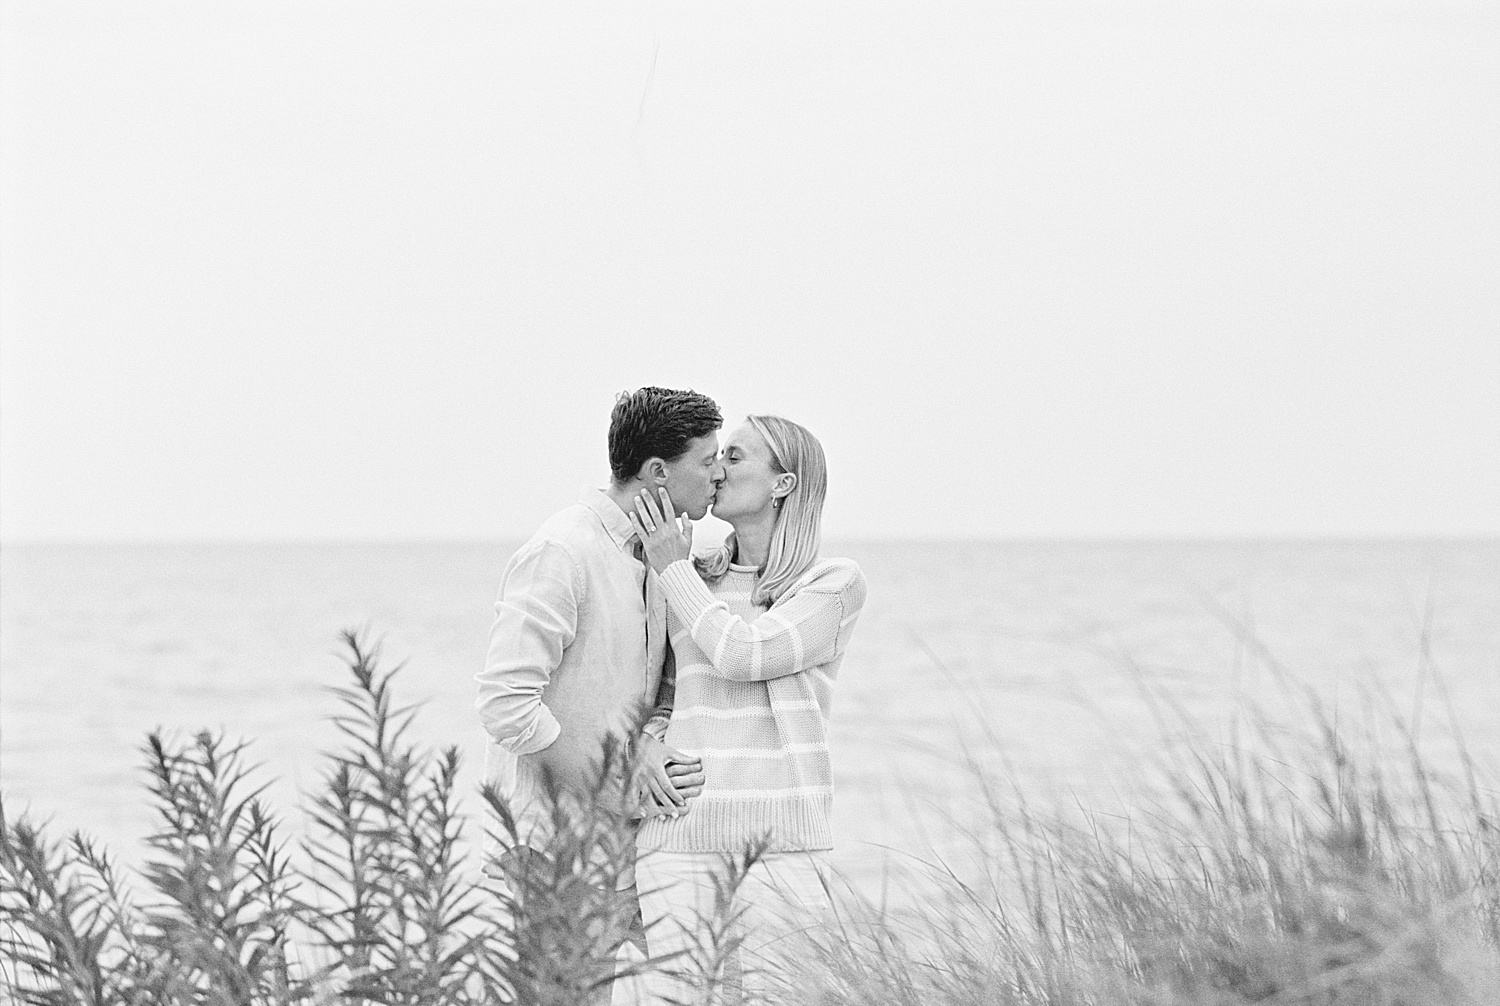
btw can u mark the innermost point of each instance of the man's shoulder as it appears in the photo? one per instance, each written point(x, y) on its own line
point(574, 530)
point(567, 525)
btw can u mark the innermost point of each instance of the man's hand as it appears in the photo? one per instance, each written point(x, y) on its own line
point(666, 536)
point(668, 778)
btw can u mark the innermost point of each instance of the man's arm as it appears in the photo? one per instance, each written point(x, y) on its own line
point(536, 618)
point(666, 693)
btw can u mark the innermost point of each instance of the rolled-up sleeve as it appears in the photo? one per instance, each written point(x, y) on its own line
point(536, 617)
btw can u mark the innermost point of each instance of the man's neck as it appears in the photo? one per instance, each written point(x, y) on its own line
point(624, 495)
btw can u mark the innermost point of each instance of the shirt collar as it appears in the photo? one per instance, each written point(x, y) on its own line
point(611, 516)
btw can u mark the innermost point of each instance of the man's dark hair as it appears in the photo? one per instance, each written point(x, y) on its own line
point(656, 423)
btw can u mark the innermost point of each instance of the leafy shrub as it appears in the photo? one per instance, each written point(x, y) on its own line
point(381, 906)
point(1292, 877)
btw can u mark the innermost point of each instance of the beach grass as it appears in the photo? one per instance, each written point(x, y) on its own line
point(1290, 866)
point(1301, 878)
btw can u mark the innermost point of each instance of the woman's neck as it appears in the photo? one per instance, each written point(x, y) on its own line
point(752, 538)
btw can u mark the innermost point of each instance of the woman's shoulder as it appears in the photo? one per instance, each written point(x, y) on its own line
point(832, 575)
point(835, 565)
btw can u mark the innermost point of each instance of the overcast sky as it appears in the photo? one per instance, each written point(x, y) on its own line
point(370, 269)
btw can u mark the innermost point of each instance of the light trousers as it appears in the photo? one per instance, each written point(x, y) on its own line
point(778, 908)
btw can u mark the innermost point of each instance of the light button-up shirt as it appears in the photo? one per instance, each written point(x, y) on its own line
point(577, 645)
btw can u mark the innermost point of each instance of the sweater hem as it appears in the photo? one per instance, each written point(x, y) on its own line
point(788, 823)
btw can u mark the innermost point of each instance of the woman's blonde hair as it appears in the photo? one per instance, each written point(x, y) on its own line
point(799, 523)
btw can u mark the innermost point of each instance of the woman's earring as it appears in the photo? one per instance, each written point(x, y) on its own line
point(776, 504)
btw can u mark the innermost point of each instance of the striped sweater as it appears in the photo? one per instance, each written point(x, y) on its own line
point(754, 691)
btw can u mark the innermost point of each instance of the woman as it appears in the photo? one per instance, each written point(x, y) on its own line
point(759, 628)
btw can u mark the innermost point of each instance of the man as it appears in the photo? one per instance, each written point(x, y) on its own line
point(580, 631)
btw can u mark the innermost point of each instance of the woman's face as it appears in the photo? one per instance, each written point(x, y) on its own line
point(750, 475)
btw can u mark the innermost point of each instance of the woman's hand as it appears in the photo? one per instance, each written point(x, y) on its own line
point(668, 778)
point(665, 541)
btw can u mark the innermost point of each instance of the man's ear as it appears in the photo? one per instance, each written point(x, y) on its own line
point(652, 471)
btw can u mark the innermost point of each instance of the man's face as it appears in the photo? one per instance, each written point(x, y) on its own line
point(693, 478)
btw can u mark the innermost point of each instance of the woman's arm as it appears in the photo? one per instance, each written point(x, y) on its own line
point(798, 632)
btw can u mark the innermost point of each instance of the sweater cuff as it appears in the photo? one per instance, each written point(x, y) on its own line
point(686, 589)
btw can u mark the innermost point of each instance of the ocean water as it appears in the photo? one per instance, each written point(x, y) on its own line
point(1043, 661)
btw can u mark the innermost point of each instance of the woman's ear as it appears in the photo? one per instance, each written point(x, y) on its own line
point(785, 483)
